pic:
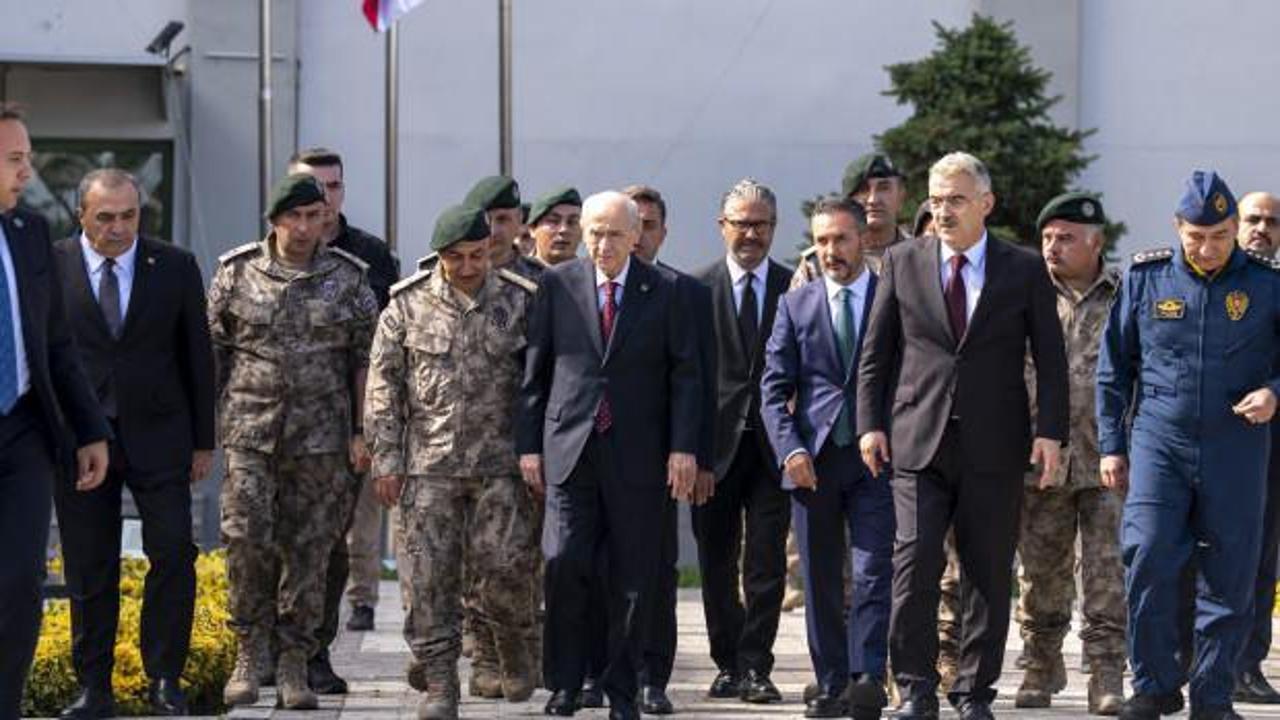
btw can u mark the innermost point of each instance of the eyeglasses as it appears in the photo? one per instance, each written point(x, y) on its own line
point(951, 202)
point(744, 226)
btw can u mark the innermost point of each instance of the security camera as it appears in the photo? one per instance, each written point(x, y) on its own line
point(160, 45)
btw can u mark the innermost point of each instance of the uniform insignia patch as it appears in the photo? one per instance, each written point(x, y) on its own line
point(500, 318)
point(1220, 203)
point(329, 289)
point(1170, 309)
point(1237, 304)
point(1086, 209)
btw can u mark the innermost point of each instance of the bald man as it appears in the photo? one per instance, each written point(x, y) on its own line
point(1260, 233)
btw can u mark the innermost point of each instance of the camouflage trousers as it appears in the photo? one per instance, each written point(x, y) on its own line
point(446, 522)
point(949, 601)
point(1051, 520)
point(280, 518)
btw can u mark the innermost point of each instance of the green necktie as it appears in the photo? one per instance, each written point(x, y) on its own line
point(846, 335)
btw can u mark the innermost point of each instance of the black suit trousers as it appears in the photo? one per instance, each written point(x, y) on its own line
point(90, 524)
point(660, 638)
point(26, 473)
point(592, 512)
point(984, 508)
point(742, 636)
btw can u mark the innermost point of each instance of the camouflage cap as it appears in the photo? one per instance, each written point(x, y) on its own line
point(494, 192)
point(293, 191)
point(459, 223)
point(1076, 207)
point(871, 165)
point(564, 195)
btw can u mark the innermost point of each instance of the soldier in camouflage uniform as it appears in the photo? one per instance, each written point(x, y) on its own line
point(1071, 232)
point(446, 363)
point(291, 321)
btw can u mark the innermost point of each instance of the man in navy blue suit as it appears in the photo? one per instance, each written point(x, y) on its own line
point(811, 359)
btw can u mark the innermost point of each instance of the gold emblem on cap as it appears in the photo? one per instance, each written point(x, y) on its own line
point(1220, 203)
point(1237, 304)
point(1170, 309)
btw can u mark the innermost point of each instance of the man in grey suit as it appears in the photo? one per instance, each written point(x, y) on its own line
point(612, 393)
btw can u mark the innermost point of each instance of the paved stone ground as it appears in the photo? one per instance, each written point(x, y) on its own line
point(374, 664)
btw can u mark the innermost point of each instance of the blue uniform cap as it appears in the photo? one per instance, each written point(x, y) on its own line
point(1206, 200)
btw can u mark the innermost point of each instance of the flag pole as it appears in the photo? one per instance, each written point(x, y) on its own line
point(504, 87)
point(264, 108)
point(392, 131)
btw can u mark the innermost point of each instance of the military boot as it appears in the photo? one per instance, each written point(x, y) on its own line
point(513, 660)
point(486, 682)
point(242, 686)
point(948, 667)
point(1041, 683)
point(440, 701)
point(1106, 686)
point(292, 691)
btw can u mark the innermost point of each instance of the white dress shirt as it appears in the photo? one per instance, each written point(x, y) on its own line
point(974, 271)
point(859, 300)
point(93, 263)
point(602, 289)
point(15, 314)
point(737, 275)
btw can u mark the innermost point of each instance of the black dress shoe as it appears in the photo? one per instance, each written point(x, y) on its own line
point(970, 709)
point(757, 688)
point(591, 695)
point(563, 703)
point(361, 619)
point(321, 677)
point(623, 710)
point(826, 705)
point(89, 704)
point(1214, 713)
point(924, 707)
point(726, 685)
point(1252, 687)
point(654, 701)
point(866, 697)
point(166, 698)
point(1144, 706)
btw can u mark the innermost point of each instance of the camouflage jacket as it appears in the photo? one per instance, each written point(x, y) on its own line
point(1083, 316)
point(443, 377)
point(287, 345)
point(810, 269)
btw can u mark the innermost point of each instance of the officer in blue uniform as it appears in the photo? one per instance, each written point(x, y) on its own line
point(1189, 354)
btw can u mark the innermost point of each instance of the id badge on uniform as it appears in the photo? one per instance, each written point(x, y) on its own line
point(1169, 309)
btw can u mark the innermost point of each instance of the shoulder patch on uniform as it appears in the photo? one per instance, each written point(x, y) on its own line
point(428, 261)
point(409, 282)
point(1263, 260)
point(1147, 256)
point(518, 280)
point(349, 257)
point(238, 252)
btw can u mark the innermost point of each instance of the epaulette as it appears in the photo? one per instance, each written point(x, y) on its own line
point(409, 282)
point(429, 261)
point(241, 251)
point(349, 257)
point(1263, 260)
point(518, 280)
point(1148, 256)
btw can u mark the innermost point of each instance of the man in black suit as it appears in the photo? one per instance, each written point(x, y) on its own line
point(611, 396)
point(745, 286)
point(953, 318)
point(136, 308)
point(48, 412)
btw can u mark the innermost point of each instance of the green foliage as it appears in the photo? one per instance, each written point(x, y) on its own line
point(979, 92)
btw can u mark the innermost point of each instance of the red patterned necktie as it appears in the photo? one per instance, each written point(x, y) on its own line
point(956, 297)
point(604, 412)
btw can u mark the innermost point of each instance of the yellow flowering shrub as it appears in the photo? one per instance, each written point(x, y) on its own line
point(52, 683)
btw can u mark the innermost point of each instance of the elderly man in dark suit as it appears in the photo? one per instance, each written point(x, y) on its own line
point(811, 362)
point(43, 394)
point(952, 321)
point(745, 286)
point(136, 307)
point(610, 405)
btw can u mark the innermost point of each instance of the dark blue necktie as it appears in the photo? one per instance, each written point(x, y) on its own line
point(846, 335)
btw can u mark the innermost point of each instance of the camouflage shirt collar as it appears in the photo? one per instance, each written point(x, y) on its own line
point(321, 263)
point(1108, 278)
point(447, 295)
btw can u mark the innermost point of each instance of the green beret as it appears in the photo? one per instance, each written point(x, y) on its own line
point(1076, 207)
point(293, 191)
point(458, 224)
point(871, 165)
point(560, 196)
point(494, 192)
point(524, 213)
